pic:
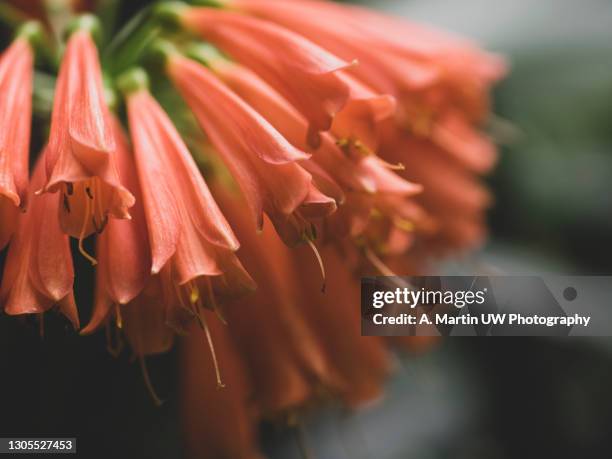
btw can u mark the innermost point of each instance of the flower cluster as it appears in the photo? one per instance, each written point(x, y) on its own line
point(240, 165)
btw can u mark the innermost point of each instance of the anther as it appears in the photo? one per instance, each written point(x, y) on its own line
point(361, 148)
point(194, 294)
point(118, 317)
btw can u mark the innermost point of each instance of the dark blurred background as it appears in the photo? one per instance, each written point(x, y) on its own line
point(468, 398)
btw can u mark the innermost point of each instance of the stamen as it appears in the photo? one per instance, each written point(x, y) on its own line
point(88, 191)
point(147, 381)
point(361, 148)
point(306, 229)
point(313, 232)
point(404, 225)
point(352, 145)
point(378, 263)
point(118, 318)
point(320, 260)
point(392, 167)
point(69, 188)
point(196, 311)
point(343, 143)
point(194, 294)
point(91, 259)
point(191, 309)
point(211, 346)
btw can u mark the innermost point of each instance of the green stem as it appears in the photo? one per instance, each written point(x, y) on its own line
point(209, 3)
point(59, 13)
point(36, 35)
point(44, 88)
point(133, 80)
point(204, 53)
point(108, 11)
point(130, 43)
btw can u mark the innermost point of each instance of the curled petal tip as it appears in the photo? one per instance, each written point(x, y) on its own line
point(11, 196)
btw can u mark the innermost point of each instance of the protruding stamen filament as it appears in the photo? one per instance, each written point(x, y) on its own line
point(391, 166)
point(320, 261)
point(212, 350)
point(147, 381)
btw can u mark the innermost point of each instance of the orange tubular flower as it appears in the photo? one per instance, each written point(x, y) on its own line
point(261, 160)
point(362, 362)
point(39, 273)
point(287, 360)
point(365, 185)
point(357, 124)
point(81, 156)
point(432, 75)
point(453, 196)
point(302, 72)
point(216, 423)
point(340, 31)
point(144, 320)
point(16, 68)
point(191, 242)
point(322, 122)
point(124, 261)
point(328, 157)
